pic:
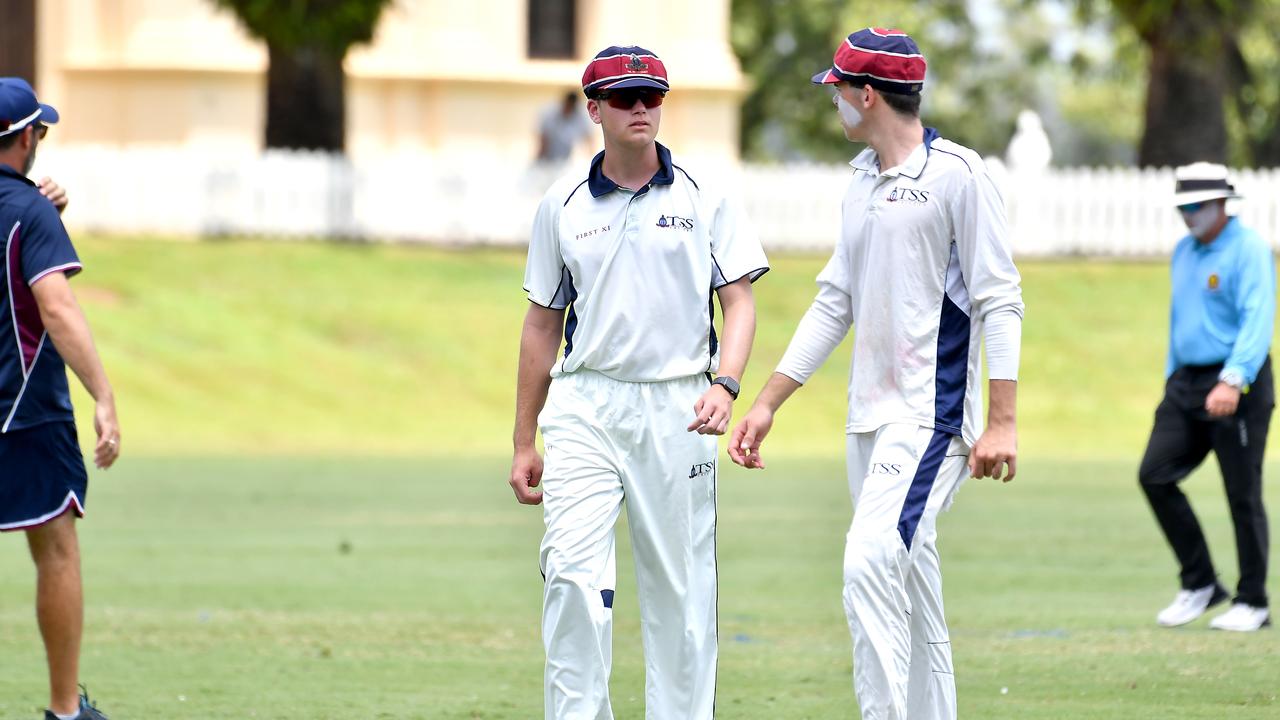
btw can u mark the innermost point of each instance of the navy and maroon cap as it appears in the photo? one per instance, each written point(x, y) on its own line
point(887, 60)
point(19, 107)
point(615, 68)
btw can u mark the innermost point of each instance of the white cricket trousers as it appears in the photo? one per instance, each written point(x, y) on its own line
point(900, 477)
point(608, 442)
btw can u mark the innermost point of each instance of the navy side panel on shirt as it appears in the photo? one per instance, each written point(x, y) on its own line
point(33, 378)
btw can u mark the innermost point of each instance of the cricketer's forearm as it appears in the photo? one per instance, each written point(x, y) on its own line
point(1003, 404)
point(776, 392)
point(539, 341)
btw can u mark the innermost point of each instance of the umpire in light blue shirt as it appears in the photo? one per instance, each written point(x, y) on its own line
point(1219, 396)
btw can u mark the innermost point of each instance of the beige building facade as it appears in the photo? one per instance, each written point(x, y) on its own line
point(452, 78)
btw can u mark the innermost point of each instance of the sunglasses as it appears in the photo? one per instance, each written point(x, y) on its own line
point(40, 130)
point(626, 99)
point(1192, 207)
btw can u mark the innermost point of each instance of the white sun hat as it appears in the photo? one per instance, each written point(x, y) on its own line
point(1202, 181)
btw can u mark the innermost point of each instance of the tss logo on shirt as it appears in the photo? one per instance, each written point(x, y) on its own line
point(675, 221)
point(700, 469)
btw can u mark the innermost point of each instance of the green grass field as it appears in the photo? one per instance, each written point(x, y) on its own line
point(258, 348)
point(312, 518)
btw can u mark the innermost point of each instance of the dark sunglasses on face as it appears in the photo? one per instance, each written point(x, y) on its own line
point(1192, 207)
point(626, 99)
point(40, 131)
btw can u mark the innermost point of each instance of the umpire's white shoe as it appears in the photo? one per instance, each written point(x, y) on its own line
point(1190, 604)
point(1242, 618)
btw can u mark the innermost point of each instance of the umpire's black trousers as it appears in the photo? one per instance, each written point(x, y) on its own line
point(1183, 435)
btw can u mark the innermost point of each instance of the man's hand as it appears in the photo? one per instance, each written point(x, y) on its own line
point(1223, 400)
point(108, 430)
point(997, 448)
point(712, 411)
point(526, 474)
point(744, 444)
point(55, 192)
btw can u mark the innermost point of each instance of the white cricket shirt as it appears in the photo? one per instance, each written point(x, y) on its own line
point(923, 259)
point(638, 269)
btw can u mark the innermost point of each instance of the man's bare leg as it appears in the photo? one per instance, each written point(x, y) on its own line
point(59, 606)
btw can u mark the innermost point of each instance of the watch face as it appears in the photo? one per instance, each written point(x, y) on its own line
point(728, 384)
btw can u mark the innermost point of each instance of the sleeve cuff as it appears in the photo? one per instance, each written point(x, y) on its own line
point(1233, 376)
point(68, 268)
point(793, 374)
point(753, 275)
point(548, 304)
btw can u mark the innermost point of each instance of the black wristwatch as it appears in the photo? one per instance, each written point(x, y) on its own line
point(729, 384)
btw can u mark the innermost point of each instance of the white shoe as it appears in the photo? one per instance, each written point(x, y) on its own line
point(1190, 604)
point(1242, 618)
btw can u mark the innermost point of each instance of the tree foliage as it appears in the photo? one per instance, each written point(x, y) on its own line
point(1194, 65)
point(1254, 117)
point(1117, 81)
point(974, 88)
point(334, 25)
point(1212, 76)
point(307, 41)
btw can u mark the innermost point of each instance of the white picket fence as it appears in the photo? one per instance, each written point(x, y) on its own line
point(1119, 212)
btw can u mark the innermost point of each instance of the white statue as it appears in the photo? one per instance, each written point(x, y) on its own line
point(1029, 150)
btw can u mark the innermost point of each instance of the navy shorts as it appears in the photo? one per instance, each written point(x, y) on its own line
point(42, 475)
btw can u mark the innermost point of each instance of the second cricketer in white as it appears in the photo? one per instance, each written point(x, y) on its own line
point(923, 271)
point(637, 252)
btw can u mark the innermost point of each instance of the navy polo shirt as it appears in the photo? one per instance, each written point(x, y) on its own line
point(33, 378)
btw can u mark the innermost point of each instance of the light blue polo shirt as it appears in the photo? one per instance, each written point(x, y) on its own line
point(1224, 302)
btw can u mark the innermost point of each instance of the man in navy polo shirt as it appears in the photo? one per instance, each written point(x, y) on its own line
point(42, 472)
point(636, 252)
point(1218, 396)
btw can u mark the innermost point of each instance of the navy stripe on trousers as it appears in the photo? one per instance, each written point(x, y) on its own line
point(921, 485)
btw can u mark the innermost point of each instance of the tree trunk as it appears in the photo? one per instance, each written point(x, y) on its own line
point(1187, 89)
point(18, 39)
point(305, 99)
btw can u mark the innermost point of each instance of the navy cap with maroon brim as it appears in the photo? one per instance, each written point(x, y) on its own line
point(19, 107)
point(887, 60)
point(617, 67)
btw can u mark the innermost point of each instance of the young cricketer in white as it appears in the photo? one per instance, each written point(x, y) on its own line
point(637, 251)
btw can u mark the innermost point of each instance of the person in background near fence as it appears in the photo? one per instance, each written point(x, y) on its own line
point(42, 473)
point(923, 271)
point(1218, 396)
point(560, 129)
point(637, 250)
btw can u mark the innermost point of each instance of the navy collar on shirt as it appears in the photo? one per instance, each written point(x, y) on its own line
point(930, 134)
point(601, 185)
point(911, 167)
point(10, 172)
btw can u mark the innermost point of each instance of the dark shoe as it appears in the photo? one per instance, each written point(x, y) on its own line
point(87, 710)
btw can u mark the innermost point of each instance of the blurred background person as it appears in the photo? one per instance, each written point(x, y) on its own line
point(561, 128)
point(1218, 396)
